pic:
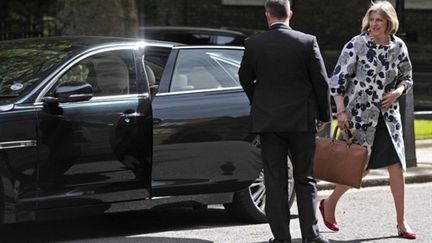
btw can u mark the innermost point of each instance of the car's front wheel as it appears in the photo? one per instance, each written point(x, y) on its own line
point(249, 203)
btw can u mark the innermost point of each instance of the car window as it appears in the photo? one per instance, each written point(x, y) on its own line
point(155, 59)
point(193, 35)
point(204, 69)
point(109, 73)
point(24, 64)
point(226, 40)
point(189, 38)
point(77, 73)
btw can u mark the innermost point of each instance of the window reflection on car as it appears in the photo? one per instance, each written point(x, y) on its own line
point(23, 66)
point(109, 73)
point(203, 69)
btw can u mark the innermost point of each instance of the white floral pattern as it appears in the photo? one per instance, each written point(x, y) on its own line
point(364, 73)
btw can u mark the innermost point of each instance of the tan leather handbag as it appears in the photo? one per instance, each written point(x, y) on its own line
point(339, 161)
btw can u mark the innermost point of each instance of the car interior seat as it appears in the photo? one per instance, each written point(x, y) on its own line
point(150, 76)
point(180, 82)
point(201, 78)
point(151, 80)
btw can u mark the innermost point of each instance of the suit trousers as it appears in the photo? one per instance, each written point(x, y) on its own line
point(275, 148)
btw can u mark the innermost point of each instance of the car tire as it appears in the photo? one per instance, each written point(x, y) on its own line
point(249, 203)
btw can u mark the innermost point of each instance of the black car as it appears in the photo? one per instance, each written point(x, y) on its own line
point(194, 35)
point(94, 125)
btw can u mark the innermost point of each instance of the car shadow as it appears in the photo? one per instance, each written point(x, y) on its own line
point(120, 227)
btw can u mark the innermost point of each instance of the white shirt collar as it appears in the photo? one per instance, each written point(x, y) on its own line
point(284, 23)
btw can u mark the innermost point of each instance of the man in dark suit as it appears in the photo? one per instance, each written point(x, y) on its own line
point(283, 75)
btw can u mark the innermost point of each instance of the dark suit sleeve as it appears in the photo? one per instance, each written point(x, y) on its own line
point(318, 75)
point(247, 73)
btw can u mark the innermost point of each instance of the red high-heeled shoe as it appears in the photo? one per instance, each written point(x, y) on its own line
point(406, 235)
point(331, 226)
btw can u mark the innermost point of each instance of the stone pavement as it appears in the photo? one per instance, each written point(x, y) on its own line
point(421, 173)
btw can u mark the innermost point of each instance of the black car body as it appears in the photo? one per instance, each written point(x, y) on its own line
point(93, 125)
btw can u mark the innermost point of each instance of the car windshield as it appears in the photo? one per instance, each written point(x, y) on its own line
point(24, 63)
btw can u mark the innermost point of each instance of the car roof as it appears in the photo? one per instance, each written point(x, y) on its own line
point(190, 29)
point(80, 44)
point(73, 44)
point(89, 42)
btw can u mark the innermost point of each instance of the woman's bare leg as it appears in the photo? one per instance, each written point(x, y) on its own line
point(330, 203)
point(397, 186)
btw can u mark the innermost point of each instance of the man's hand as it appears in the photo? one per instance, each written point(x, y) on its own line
point(321, 126)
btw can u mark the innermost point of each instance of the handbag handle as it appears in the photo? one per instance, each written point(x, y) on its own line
point(349, 135)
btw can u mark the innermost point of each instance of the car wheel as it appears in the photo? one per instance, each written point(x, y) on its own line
point(249, 203)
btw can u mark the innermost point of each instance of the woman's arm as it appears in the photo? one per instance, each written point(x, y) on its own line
point(341, 113)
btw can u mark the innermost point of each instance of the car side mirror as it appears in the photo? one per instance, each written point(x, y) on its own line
point(71, 92)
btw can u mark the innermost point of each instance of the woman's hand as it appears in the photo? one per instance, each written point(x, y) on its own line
point(342, 119)
point(341, 113)
point(391, 97)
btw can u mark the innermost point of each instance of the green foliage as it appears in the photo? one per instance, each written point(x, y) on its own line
point(26, 10)
point(423, 129)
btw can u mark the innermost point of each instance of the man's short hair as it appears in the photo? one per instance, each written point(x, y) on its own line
point(278, 8)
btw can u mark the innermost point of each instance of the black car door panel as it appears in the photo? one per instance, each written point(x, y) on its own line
point(201, 140)
point(18, 150)
point(90, 151)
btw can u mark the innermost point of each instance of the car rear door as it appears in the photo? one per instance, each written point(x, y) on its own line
point(99, 150)
point(201, 125)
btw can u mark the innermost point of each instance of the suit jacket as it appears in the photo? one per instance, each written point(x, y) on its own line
point(284, 77)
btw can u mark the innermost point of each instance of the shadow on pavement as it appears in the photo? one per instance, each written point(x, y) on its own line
point(364, 240)
point(120, 227)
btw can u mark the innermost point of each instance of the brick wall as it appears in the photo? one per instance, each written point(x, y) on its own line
point(202, 13)
point(418, 24)
point(333, 22)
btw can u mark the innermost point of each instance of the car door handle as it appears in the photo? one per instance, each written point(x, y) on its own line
point(18, 144)
point(134, 116)
point(157, 121)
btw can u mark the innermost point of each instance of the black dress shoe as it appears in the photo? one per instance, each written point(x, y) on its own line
point(279, 241)
point(318, 239)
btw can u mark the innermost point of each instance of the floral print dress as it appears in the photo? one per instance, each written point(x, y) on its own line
point(364, 73)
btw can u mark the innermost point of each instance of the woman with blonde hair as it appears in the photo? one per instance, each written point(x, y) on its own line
point(372, 72)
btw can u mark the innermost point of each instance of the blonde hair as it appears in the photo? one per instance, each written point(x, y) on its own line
point(387, 10)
